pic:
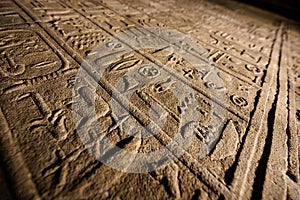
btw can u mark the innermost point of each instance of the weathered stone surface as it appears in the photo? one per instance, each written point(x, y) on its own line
point(250, 152)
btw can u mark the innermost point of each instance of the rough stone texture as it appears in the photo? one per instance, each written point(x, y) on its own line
point(42, 45)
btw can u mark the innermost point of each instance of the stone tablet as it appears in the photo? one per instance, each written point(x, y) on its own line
point(130, 99)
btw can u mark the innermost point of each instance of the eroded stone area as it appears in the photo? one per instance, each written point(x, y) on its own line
point(250, 152)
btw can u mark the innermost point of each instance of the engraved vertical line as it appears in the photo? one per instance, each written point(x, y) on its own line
point(247, 161)
point(229, 175)
point(277, 161)
point(291, 131)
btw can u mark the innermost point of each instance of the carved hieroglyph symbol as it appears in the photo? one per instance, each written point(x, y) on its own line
point(136, 75)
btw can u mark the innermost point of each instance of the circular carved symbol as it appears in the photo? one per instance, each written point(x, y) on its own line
point(149, 71)
point(253, 69)
point(210, 84)
point(239, 101)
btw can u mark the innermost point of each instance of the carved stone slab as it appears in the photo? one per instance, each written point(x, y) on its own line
point(249, 56)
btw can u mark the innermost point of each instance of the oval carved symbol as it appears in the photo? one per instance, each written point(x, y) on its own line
point(239, 101)
point(149, 71)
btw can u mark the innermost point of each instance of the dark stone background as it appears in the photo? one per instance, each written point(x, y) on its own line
point(287, 8)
